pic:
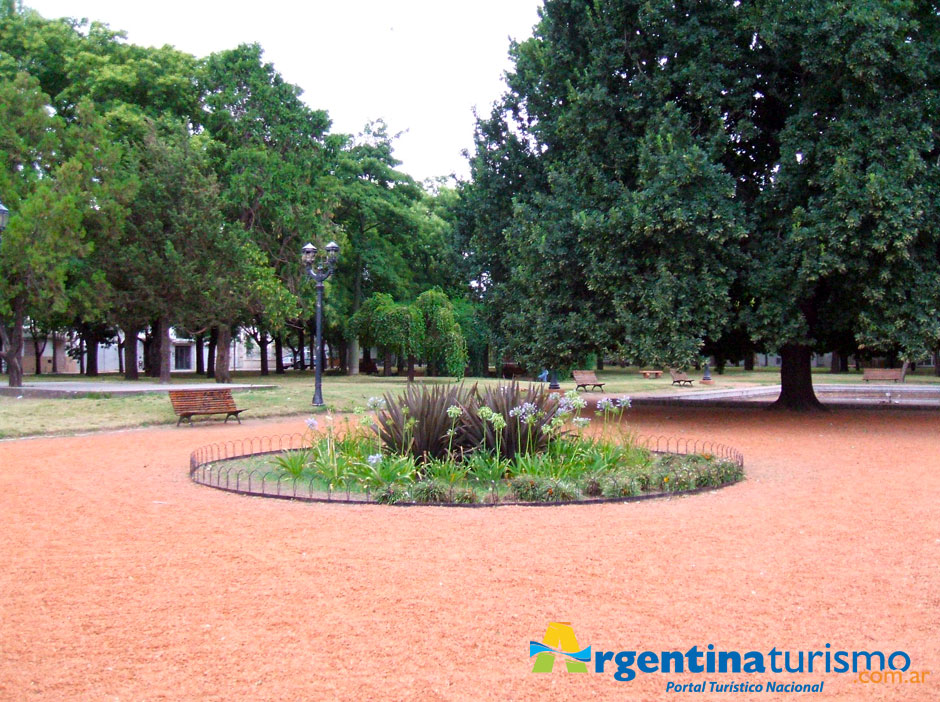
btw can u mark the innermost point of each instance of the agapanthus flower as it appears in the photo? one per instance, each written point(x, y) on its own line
point(312, 423)
point(454, 411)
point(623, 402)
point(524, 410)
point(374, 459)
point(376, 403)
point(581, 421)
point(605, 405)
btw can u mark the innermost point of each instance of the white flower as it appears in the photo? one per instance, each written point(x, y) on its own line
point(523, 411)
point(454, 411)
point(374, 459)
point(623, 402)
point(605, 405)
point(581, 421)
point(376, 403)
point(312, 423)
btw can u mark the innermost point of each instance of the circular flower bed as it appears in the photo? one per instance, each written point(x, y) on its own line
point(465, 446)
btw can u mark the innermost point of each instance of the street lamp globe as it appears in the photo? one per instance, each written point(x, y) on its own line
point(308, 254)
point(332, 252)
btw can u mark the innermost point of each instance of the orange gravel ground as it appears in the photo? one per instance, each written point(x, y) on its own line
point(121, 580)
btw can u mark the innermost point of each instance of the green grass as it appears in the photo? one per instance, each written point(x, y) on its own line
point(294, 392)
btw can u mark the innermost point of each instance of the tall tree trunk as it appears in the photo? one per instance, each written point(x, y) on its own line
point(152, 351)
point(279, 355)
point(300, 349)
point(91, 350)
point(352, 358)
point(37, 354)
point(341, 355)
point(130, 353)
point(749, 361)
point(843, 363)
point(401, 365)
point(834, 365)
point(411, 369)
point(263, 346)
point(81, 355)
point(55, 356)
point(166, 350)
point(936, 363)
point(200, 359)
point(13, 343)
point(387, 364)
point(120, 350)
point(796, 380)
point(600, 360)
point(223, 355)
point(210, 357)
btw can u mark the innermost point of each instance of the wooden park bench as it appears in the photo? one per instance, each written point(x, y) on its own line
point(187, 403)
point(893, 374)
point(511, 369)
point(679, 378)
point(651, 373)
point(585, 378)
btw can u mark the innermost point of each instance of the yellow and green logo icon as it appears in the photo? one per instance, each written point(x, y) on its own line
point(559, 641)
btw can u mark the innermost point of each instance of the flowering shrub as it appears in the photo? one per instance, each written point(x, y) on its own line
point(455, 444)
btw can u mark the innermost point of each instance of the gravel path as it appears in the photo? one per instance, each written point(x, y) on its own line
point(121, 580)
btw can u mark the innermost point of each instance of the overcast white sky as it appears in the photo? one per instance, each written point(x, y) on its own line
point(422, 65)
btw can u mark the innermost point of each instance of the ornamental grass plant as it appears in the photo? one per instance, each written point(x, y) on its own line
point(456, 444)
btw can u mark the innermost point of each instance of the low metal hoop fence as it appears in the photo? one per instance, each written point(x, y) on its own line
point(211, 465)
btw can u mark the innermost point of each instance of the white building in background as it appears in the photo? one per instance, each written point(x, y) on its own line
point(244, 356)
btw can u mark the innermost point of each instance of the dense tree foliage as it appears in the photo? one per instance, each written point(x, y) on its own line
point(152, 190)
point(664, 174)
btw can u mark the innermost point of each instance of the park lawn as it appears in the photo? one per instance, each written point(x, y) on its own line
point(294, 391)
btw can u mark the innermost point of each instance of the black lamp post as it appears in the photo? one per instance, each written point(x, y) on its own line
point(319, 269)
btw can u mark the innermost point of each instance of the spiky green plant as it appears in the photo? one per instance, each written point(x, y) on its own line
point(520, 431)
point(416, 422)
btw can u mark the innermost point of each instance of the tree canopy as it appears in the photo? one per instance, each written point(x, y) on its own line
point(661, 173)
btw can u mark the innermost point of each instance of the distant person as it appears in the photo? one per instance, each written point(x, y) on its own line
point(543, 376)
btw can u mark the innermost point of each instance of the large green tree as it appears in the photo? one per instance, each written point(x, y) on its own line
point(48, 197)
point(662, 173)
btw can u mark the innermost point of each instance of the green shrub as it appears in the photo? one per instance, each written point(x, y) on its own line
point(485, 467)
point(294, 463)
point(621, 484)
point(388, 470)
point(536, 488)
point(526, 488)
point(592, 484)
point(392, 494)
point(430, 491)
point(466, 496)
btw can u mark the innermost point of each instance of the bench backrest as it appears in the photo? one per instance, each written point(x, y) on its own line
point(202, 401)
point(585, 377)
point(882, 373)
point(678, 375)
